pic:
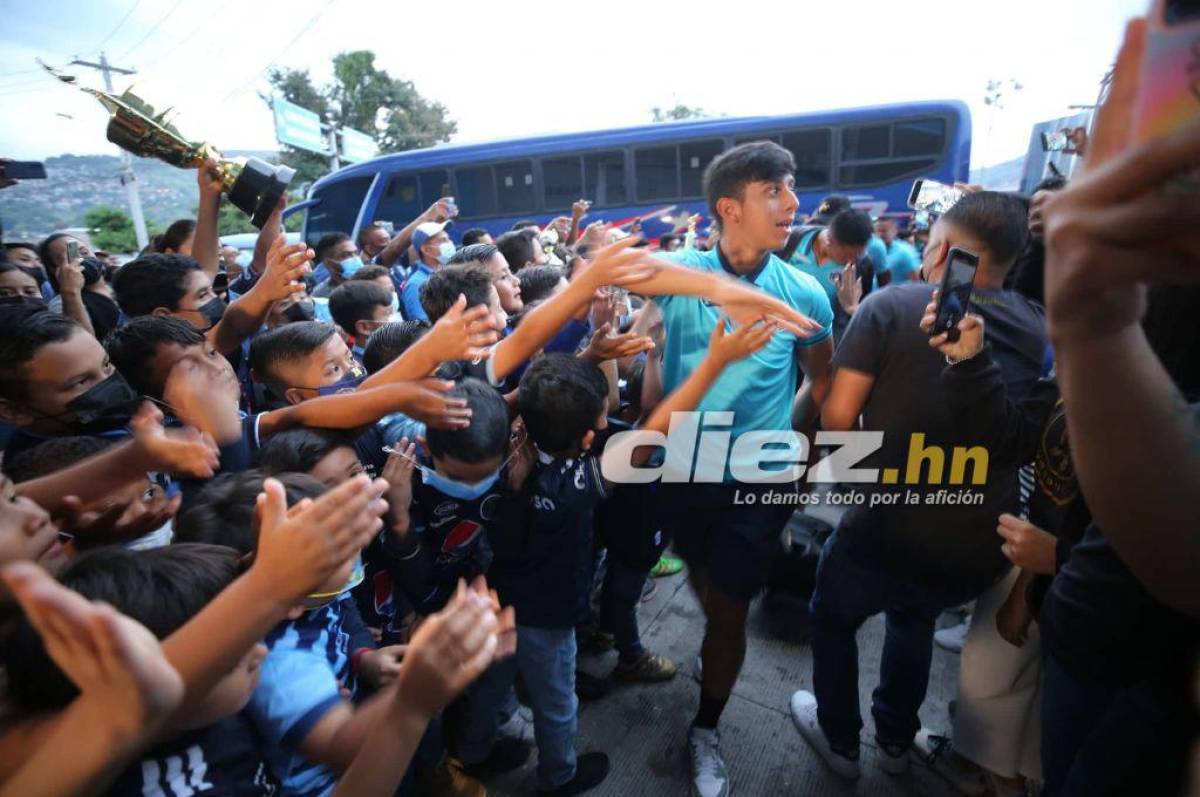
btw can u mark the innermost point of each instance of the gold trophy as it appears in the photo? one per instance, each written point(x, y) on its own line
point(253, 186)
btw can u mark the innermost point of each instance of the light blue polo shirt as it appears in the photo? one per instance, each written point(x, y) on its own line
point(902, 260)
point(877, 254)
point(410, 296)
point(759, 389)
point(822, 273)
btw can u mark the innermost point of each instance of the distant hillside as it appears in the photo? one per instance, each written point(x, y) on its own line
point(77, 183)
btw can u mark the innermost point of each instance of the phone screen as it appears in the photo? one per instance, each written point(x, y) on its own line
point(1055, 142)
point(934, 197)
point(24, 170)
point(1177, 12)
point(955, 292)
point(72, 251)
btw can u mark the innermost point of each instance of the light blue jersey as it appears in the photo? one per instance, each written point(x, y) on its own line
point(759, 389)
point(902, 261)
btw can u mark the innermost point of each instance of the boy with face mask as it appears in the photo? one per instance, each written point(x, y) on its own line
point(434, 249)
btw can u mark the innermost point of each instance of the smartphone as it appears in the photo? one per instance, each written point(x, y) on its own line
point(955, 293)
point(932, 196)
point(72, 250)
point(1169, 96)
point(453, 206)
point(23, 170)
point(220, 282)
point(1055, 142)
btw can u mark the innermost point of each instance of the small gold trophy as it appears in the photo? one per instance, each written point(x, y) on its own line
point(253, 186)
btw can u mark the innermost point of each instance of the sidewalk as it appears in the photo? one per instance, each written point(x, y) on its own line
point(643, 727)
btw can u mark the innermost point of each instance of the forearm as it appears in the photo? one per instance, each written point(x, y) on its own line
point(97, 748)
point(395, 248)
point(76, 310)
point(1136, 449)
point(384, 756)
point(207, 648)
point(609, 368)
point(349, 739)
point(90, 480)
point(242, 318)
point(539, 327)
point(206, 245)
point(417, 362)
point(362, 407)
point(686, 397)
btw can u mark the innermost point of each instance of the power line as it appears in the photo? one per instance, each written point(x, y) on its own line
point(304, 30)
point(120, 24)
point(153, 29)
point(174, 48)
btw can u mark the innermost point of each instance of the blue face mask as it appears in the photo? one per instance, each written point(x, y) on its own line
point(445, 252)
point(455, 489)
point(347, 384)
point(351, 265)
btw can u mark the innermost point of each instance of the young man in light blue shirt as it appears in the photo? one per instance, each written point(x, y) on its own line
point(434, 248)
point(728, 547)
point(903, 262)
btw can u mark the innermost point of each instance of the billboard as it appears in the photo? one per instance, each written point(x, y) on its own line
point(357, 146)
point(298, 126)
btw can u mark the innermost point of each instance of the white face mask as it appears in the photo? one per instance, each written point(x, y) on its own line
point(395, 304)
point(159, 538)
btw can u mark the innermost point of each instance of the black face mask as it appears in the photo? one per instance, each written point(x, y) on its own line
point(37, 272)
point(93, 270)
point(34, 303)
point(106, 405)
point(212, 310)
point(300, 311)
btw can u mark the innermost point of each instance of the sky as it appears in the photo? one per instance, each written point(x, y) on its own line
point(511, 69)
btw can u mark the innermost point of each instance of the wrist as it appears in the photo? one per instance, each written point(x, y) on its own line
point(264, 594)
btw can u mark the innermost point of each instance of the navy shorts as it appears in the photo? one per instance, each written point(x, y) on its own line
point(733, 542)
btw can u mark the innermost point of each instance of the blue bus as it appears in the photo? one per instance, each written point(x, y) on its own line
point(650, 173)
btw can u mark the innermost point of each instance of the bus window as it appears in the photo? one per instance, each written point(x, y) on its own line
point(885, 172)
point(760, 137)
point(923, 137)
point(400, 203)
point(563, 181)
point(434, 186)
point(514, 187)
point(863, 142)
point(810, 148)
point(604, 178)
point(657, 173)
point(694, 157)
point(338, 208)
point(476, 191)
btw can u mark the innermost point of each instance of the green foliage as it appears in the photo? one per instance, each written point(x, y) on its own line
point(680, 111)
point(354, 99)
point(111, 229)
point(230, 220)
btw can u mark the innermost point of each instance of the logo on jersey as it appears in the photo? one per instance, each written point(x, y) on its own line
point(461, 537)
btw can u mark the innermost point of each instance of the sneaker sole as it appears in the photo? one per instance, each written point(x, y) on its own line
point(841, 767)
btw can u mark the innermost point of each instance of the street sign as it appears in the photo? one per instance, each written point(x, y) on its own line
point(298, 126)
point(357, 146)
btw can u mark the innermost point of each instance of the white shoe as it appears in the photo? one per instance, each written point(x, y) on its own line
point(892, 763)
point(804, 714)
point(953, 638)
point(709, 778)
point(698, 672)
point(937, 753)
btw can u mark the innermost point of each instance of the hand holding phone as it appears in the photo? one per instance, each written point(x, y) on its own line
point(72, 250)
point(955, 292)
point(1168, 98)
point(933, 197)
point(1055, 142)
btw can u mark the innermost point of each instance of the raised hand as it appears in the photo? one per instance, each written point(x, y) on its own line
point(727, 347)
point(603, 347)
point(398, 475)
point(286, 266)
point(1027, 546)
point(300, 549)
point(185, 452)
point(208, 177)
point(116, 663)
point(462, 334)
point(381, 667)
point(746, 305)
point(617, 264)
point(430, 405)
point(119, 521)
point(849, 288)
point(970, 333)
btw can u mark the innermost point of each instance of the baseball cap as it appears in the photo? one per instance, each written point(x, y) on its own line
point(427, 230)
point(830, 206)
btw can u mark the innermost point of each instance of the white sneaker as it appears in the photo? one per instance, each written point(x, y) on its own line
point(804, 714)
point(937, 753)
point(952, 638)
point(698, 672)
point(891, 762)
point(709, 778)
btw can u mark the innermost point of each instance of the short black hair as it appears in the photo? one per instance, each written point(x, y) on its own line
point(43, 252)
point(538, 281)
point(55, 454)
point(560, 398)
point(161, 588)
point(22, 335)
point(829, 207)
point(352, 302)
point(152, 281)
point(474, 235)
point(851, 227)
point(729, 173)
point(287, 343)
point(518, 247)
point(523, 224)
point(441, 290)
point(175, 235)
point(368, 273)
point(475, 253)
point(1055, 182)
point(223, 512)
point(390, 341)
point(11, 245)
point(131, 348)
point(998, 221)
point(300, 450)
point(487, 435)
point(327, 242)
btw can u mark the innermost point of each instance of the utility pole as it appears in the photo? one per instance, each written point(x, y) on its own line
point(127, 177)
point(334, 162)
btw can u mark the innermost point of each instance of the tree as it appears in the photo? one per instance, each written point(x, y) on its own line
point(680, 111)
point(111, 229)
point(366, 99)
